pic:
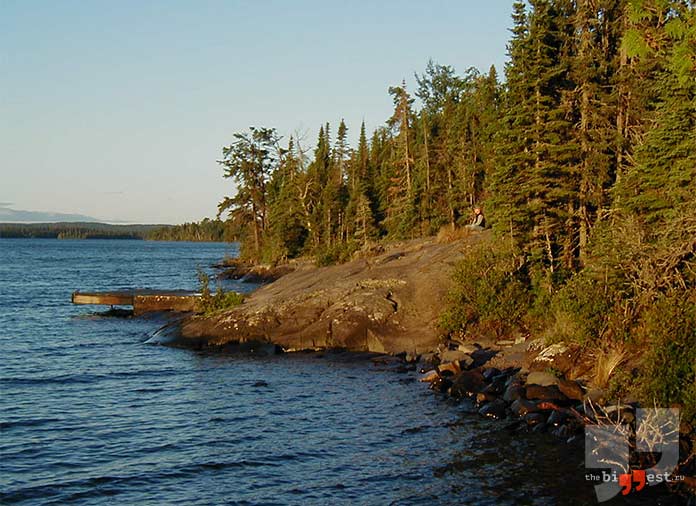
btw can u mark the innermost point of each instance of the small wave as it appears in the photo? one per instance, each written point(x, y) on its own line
point(61, 379)
point(108, 485)
point(32, 422)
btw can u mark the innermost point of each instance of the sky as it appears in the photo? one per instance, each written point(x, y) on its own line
point(119, 110)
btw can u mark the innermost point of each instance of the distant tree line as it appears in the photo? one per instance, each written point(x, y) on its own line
point(74, 230)
point(206, 230)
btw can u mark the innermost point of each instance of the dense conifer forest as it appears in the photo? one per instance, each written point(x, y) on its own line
point(583, 158)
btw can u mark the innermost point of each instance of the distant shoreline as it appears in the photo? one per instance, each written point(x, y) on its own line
point(205, 231)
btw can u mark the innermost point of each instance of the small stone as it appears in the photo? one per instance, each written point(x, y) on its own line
point(495, 409)
point(513, 392)
point(514, 378)
point(534, 418)
point(562, 432)
point(468, 383)
point(556, 418)
point(493, 388)
point(505, 342)
point(464, 359)
point(411, 358)
point(490, 372)
point(430, 377)
point(542, 378)
point(467, 348)
point(522, 406)
point(550, 393)
point(441, 384)
point(558, 357)
point(571, 389)
point(482, 398)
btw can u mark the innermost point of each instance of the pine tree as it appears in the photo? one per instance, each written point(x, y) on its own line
point(400, 212)
point(287, 232)
point(249, 161)
point(316, 180)
point(533, 186)
point(360, 218)
point(664, 176)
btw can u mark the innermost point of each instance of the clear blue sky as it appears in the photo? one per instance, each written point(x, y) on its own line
point(119, 109)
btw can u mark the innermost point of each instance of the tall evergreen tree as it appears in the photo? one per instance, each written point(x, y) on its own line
point(250, 161)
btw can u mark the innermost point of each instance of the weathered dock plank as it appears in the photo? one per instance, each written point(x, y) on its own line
point(143, 301)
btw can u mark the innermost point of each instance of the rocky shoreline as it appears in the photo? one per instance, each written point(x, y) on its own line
point(535, 396)
point(387, 304)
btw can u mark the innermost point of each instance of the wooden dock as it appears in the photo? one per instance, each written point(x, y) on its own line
point(142, 301)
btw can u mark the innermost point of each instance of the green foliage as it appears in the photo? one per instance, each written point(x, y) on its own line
point(579, 311)
point(490, 295)
point(220, 300)
point(206, 230)
point(335, 254)
point(669, 365)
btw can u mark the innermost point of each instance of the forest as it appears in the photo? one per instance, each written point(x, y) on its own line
point(74, 230)
point(582, 156)
point(205, 230)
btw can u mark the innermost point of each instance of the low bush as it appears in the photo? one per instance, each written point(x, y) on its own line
point(668, 372)
point(335, 254)
point(490, 295)
point(218, 301)
point(579, 312)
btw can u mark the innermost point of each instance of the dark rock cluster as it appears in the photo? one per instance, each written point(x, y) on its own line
point(545, 401)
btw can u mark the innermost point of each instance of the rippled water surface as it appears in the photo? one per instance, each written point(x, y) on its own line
point(90, 414)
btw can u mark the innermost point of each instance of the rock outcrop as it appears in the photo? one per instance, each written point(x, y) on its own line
point(387, 303)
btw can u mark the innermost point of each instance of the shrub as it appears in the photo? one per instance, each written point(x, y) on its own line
point(580, 311)
point(669, 365)
point(218, 301)
point(447, 234)
point(335, 254)
point(490, 294)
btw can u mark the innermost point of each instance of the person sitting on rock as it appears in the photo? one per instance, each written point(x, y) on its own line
point(479, 221)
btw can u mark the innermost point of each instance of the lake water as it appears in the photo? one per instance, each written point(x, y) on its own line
point(92, 415)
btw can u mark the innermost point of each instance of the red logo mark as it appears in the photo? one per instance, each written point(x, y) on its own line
point(626, 481)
